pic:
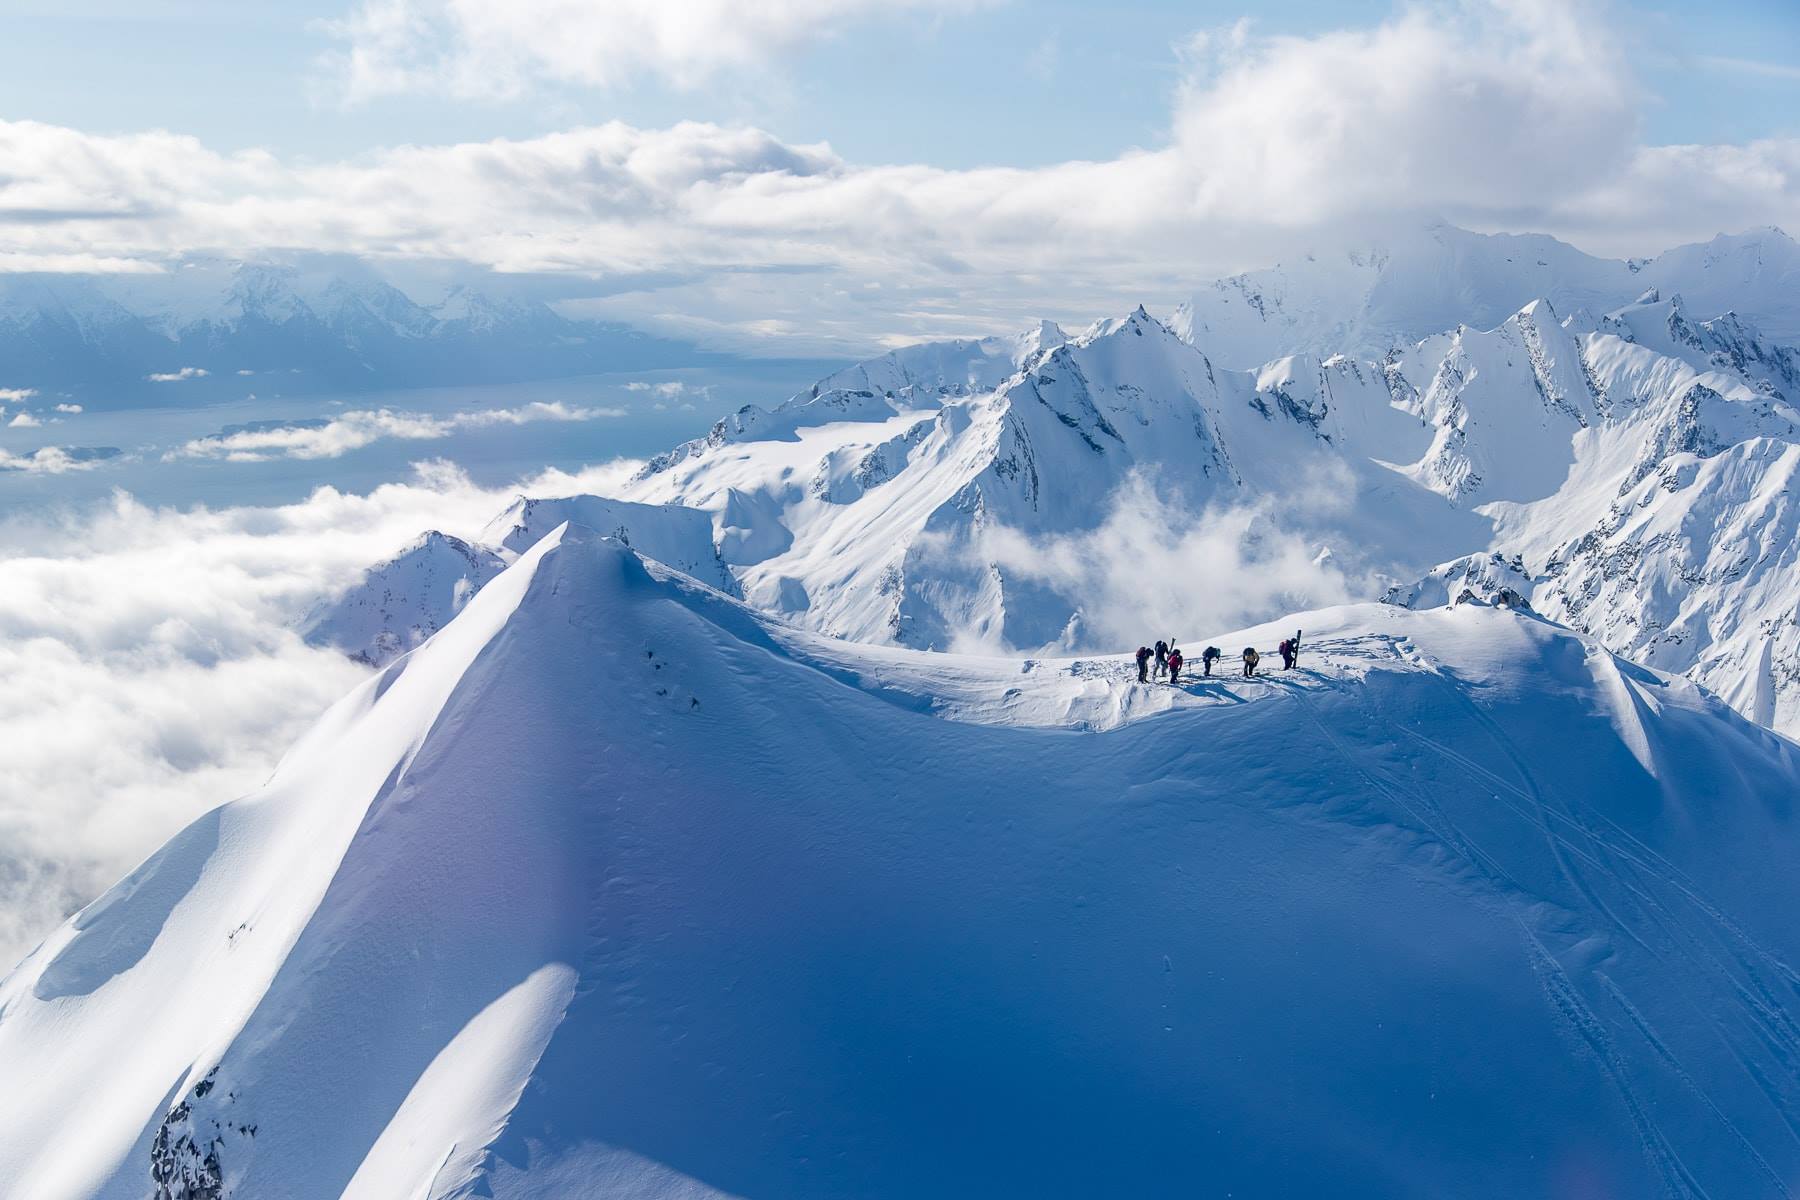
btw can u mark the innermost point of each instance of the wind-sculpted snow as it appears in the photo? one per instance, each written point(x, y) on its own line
point(617, 886)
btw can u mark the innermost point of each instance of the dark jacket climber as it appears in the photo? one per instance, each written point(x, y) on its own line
point(1162, 658)
point(1250, 660)
point(1287, 654)
point(1174, 666)
point(1208, 657)
point(1143, 662)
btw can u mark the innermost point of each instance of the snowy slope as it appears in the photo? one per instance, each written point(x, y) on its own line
point(1696, 569)
point(1640, 473)
point(617, 887)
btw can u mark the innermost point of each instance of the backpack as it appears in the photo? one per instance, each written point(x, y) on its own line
point(1143, 653)
point(1250, 654)
point(1210, 652)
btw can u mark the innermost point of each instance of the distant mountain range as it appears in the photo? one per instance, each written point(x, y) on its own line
point(232, 328)
point(1369, 299)
point(1636, 471)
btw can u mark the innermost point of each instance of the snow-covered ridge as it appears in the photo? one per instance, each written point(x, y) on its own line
point(617, 882)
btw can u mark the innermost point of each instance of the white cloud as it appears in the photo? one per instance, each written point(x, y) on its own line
point(668, 388)
point(1481, 110)
point(671, 393)
point(55, 460)
point(68, 408)
point(1751, 66)
point(18, 262)
point(24, 420)
point(356, 429)
point(152, 671)
point(180, 376)
point(16, 395)
point(1494, 113)
point(1156, 566)
point(502, 48)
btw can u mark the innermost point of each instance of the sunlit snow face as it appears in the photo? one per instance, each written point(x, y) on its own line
point(152, 668)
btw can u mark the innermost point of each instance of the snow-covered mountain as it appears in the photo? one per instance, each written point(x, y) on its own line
point(401, 602)
point(617, 886)
point(1417, 281)
point(887, 503)
point(333, 324)
point(892, 517)
point(1017, 493)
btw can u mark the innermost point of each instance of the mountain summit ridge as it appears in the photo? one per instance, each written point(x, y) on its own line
point(616, 878)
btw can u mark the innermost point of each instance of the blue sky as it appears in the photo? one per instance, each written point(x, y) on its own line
point(1023, 83)
point(828, 174)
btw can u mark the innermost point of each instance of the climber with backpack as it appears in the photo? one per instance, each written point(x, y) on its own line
point(1251, 657)
point(1162, 657)
point(1287, 654)
point(1208, 657)
point(1174, 668)
point(1143, 662)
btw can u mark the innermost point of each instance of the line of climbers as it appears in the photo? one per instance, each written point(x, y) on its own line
point(1168, 659)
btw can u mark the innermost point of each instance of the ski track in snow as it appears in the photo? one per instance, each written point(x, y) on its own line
point(1583, 847)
